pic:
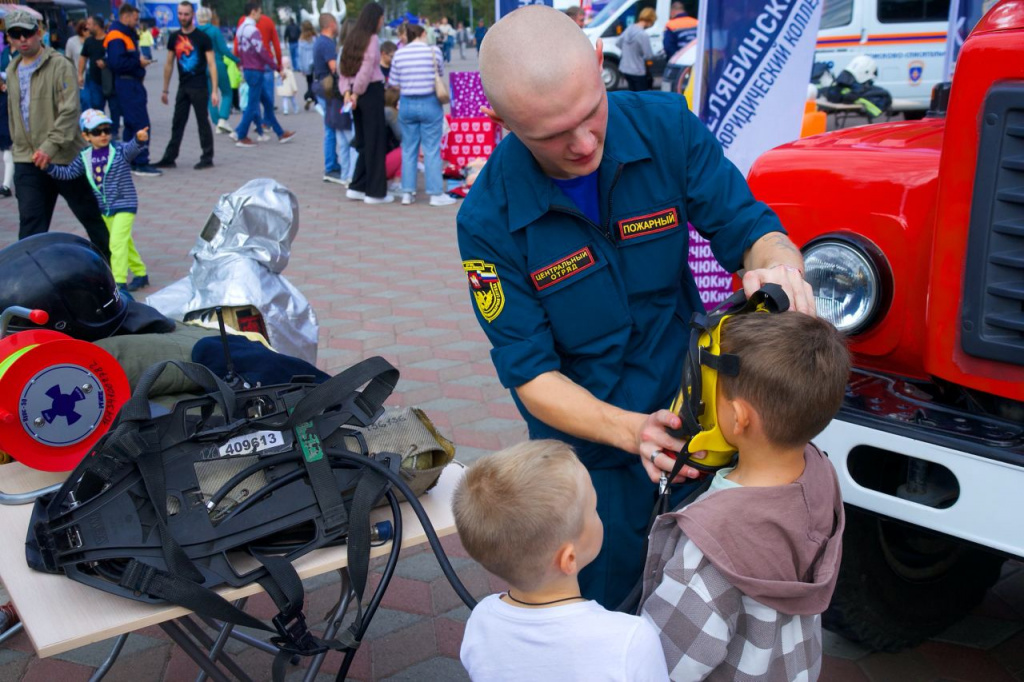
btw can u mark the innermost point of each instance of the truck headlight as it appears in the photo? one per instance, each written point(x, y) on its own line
point(850, 279)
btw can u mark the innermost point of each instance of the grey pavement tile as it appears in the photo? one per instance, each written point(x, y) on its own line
point(386, 621)
point(9, 655)
point(93, 655)
point(448, 404)
point(427, 332)
point(980, 632)
point(494, 424)
point(439, 669)
point(424, 566)
point(300, 675)
point(477, 380)
point(322, 580)
point(460, 614)
point(436, 364)
point(468, 455)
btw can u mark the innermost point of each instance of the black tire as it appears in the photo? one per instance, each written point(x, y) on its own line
point(899, 585)
point(611, 75)
point(914, 114)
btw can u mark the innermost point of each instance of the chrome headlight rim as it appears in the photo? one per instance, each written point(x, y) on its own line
point(876, 261)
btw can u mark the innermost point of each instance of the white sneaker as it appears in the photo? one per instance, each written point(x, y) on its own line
point(233, 135)
point(386, 199)
point(263, 138)
point(442, 200)
point(355, 195)
point(408, 198)
point(224, 127)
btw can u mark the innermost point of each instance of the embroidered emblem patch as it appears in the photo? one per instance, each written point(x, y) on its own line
point(486, 288)
point(572, 264)
point(648, 224)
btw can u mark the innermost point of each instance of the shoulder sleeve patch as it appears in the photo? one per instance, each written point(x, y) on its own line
point(486, 288)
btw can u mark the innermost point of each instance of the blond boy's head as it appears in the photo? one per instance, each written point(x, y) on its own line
point(517, 511)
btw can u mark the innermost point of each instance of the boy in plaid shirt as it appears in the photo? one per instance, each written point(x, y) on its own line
point(736, 582)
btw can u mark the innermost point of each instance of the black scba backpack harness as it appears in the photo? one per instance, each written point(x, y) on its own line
point(163, 507)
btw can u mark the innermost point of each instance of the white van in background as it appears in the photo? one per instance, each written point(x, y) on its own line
point(906, 38)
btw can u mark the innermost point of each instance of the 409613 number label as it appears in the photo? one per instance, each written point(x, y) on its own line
point(254, 443)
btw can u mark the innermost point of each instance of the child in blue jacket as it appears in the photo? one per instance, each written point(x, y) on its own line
point(108, 168)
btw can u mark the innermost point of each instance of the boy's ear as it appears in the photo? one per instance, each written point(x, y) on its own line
point(744, 417)
point(565, 559)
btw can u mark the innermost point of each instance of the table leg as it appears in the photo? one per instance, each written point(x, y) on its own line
point(11, 631)
point(244, 638)
point(30, 496)
point(102, 671)
point(207, 642)
point(332, 625)
point(222, 638)
point(193, 651)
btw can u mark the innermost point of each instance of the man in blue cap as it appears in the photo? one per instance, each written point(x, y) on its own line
point(575, 245)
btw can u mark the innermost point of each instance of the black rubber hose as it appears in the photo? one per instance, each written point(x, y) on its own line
point(421, 514)
point(378, 594)
point(246, 473)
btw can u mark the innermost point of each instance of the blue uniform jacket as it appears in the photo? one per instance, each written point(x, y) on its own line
point(607, 305)
point(122, 44)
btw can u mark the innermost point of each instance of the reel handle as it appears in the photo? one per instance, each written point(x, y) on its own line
point(37, 316)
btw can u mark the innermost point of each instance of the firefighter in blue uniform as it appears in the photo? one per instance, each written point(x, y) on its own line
point(128, 66)
point(574, 241)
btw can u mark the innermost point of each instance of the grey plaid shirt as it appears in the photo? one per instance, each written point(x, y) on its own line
point(712, 631)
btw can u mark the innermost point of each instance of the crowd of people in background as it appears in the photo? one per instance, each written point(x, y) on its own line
point(257, 69)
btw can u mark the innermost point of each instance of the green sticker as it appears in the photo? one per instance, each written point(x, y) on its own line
point(309, 441)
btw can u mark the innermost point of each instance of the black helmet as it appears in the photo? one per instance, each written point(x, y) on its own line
point(67, 277)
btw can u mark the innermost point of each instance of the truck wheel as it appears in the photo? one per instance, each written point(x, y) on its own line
point(899, 585)
point(610, 74)
point(914, 115)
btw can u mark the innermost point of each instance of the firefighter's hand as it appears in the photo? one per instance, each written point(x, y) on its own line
point(657, 448)
point(790, 278)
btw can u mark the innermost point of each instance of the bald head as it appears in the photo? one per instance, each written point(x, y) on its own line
point(531, 54)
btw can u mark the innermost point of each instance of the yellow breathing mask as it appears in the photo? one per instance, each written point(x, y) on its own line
point(695, 402)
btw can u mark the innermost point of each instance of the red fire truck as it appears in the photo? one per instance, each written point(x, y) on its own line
point(913, 237)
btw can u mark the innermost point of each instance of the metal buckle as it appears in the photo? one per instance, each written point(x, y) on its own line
point(295, 637)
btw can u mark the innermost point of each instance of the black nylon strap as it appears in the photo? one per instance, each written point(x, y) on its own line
point(382, 378)
point(282, 583)
point(369, 490)
point(148, 460)
point(140, 577)
point(321, 478)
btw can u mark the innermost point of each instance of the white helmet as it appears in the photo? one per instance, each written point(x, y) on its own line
point(863, 68)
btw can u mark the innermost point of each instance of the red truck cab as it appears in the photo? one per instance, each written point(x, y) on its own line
point(913, 238)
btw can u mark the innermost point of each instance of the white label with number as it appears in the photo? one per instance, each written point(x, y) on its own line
point(253, 444)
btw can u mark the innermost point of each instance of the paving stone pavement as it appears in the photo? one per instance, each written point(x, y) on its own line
point(386, 280)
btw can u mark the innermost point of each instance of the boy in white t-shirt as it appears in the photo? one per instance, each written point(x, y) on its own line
point(528, 514)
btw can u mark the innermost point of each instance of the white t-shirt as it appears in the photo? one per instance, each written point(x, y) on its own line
point(576, 641)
